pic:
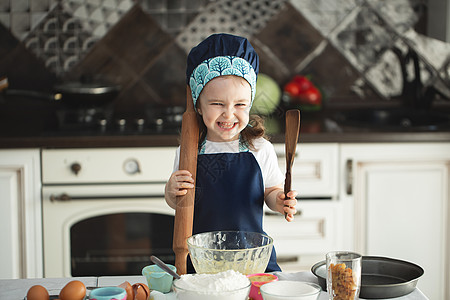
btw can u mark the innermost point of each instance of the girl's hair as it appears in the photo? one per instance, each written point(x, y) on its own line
point(255, 129)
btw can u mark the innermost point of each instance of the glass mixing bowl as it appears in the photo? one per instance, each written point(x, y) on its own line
point(242, 251)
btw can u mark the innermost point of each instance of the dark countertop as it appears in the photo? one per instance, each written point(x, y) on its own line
point(165, 140)
point(308, 134)
point(34, 129)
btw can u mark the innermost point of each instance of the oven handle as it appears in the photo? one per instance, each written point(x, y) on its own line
point(65, 197)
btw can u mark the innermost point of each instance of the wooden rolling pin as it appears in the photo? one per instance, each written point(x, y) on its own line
point(184, 213)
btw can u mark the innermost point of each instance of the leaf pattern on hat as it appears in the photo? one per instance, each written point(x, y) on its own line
point(219, 66)
point(241, 64)
point(198, 90)
point(200, 73)
point(220, 63)
point(251, 78)
point(211, 75)
point(232, 71)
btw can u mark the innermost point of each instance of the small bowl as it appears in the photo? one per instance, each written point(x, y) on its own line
point(290, 290)
point(158, 279)
point(257, 281)
point(108, 293)
point(203, 293)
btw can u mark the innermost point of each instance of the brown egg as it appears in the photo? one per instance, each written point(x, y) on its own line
point(74, 290)
point(37, 292)
point(127, 287)
point(141, 291)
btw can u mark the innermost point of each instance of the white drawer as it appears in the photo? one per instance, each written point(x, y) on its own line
point(107, 165)
point(315, 169)
point(316, 230)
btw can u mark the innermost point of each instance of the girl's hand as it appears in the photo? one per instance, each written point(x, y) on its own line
point(178, 184)
point(287, 206)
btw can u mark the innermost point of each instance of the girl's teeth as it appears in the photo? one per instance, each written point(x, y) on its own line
point(226, 125)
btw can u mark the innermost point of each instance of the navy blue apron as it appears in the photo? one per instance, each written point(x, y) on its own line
point(229, 195)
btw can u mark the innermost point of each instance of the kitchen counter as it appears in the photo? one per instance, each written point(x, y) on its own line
point(30, 131)
point(171, 138)
point(16, 289)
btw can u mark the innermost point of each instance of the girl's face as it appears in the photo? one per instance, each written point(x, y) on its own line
point(224, 105)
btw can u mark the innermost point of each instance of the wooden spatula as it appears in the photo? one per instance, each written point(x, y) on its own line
point(184, 213)
point(291, 138)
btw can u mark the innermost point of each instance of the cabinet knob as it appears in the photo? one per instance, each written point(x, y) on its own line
point(62, 197)
point(349, 175)
point(75, 167)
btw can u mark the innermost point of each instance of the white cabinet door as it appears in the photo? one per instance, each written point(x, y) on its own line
point(20, 214)
point(397, 198)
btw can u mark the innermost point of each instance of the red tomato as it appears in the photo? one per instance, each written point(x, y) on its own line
point(292, 89)
point(303, 83)
point(311, 96)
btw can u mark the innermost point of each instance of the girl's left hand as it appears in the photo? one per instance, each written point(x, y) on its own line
point(287, 205)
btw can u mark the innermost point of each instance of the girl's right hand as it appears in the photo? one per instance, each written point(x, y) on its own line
point(179, 183)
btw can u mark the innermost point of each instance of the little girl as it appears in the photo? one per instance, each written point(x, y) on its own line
point(237, 168)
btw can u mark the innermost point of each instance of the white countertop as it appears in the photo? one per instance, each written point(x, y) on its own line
point(16, 289)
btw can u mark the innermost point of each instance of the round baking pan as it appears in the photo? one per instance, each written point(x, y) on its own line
point(381, 277)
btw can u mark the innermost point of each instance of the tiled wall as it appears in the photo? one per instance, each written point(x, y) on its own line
point(345, 45)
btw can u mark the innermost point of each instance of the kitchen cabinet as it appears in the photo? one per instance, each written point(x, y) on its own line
point(317, 227)
point(20, 214)
point(396, 203)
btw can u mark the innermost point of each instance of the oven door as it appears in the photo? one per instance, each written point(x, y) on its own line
point(110, 229)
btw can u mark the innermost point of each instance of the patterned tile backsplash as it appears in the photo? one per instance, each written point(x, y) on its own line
point(346, 46)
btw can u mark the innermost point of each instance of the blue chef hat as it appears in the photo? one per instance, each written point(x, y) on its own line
point(219, 55)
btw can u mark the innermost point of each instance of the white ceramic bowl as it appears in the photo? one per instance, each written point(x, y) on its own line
point(290, 290)
point(210, 291)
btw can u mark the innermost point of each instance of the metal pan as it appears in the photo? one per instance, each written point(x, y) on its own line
point(381, 277)
point(75, 94)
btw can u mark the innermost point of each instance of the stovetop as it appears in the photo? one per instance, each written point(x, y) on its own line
point(37, 125)
point(25, 118)
point(106, 122)
point(111, 132)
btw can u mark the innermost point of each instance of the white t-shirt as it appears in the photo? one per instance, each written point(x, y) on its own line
point(264, 153)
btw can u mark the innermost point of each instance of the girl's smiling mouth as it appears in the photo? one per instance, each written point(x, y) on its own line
point(226, 125)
